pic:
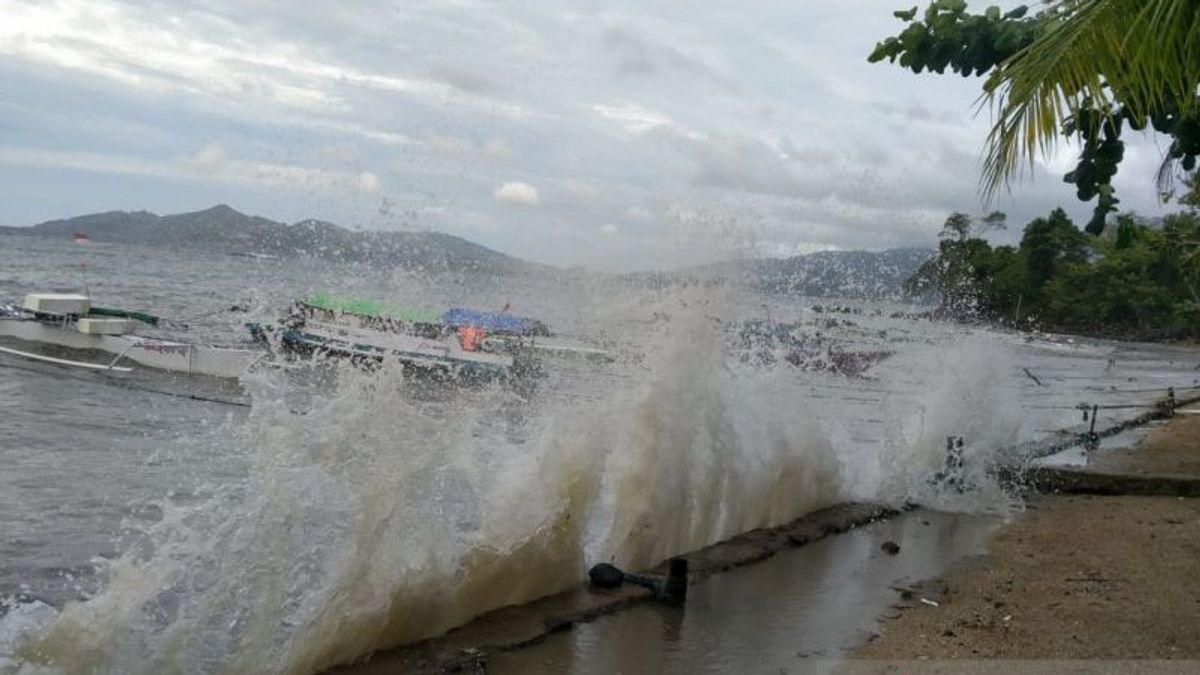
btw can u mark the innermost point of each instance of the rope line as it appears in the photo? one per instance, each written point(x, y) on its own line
point(1144, 391)
point(178, 394)
point(1135, 406)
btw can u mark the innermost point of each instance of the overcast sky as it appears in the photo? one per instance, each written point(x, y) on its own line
point(616, 134)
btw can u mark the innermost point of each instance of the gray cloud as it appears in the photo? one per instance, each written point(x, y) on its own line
point(651, 134)
point(465, 80)
point(637, 55)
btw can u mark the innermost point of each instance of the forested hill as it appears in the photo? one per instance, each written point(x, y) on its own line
point(845, 274)
point(841, 274)
point(222, 228)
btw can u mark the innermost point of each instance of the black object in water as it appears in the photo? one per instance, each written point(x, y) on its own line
point(605, 575)
point(672, 589)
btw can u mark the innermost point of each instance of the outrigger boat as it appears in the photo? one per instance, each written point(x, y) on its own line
point(70, 320)
point(458, 343)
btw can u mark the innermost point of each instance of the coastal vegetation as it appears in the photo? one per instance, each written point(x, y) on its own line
point(1137, 279)
point(1084, 70)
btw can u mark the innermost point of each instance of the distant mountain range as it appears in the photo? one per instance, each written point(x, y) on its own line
point(841, 274)
point(853, 274)
point(222, 228)
point(847, 274)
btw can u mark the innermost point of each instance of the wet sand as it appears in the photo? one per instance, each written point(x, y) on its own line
point(1077, 577)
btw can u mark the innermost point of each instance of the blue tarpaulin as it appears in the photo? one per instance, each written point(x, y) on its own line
point(493, 321)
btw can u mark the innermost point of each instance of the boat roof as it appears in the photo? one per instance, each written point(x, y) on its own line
point(368, 307)
point(501, 322)
point(455, 317)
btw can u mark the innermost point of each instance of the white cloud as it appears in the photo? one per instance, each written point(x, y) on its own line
point(350, 129)
point(202, 55)
point(610, 229)
point(516, 192)
point(639, 213)
point(632, 117)
point(210, 158)
point(368, 182)
point(210, 164)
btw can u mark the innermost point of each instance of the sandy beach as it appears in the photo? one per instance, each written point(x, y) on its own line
point(1090, 581)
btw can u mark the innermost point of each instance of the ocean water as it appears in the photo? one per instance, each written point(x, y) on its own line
point(341, 512)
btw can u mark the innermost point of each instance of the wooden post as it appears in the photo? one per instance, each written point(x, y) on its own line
point(675, 590)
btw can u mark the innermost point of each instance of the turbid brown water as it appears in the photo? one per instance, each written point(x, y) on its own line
point(796, 612)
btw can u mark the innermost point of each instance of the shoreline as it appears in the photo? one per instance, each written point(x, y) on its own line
point(511, 628)
point(1099, 577)
point(1078, 577)
point(1184, 339)
point(468, 647)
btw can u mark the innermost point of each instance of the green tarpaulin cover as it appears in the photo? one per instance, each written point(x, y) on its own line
point(368, 307)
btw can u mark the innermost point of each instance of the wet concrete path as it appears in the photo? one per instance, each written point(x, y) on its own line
point(795, 612)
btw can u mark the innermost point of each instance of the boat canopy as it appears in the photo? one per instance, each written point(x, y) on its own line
point(496, 322)
point(374, 308)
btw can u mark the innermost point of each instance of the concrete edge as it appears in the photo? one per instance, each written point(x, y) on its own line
point(467, 647)
point(1082, 481)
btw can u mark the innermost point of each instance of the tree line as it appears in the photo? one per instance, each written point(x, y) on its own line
point(1084, 70)
point(1136, 279)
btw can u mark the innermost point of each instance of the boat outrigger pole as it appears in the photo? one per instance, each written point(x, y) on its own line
point(66, 362)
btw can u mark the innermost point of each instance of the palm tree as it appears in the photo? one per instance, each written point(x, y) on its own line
point(1137, 57)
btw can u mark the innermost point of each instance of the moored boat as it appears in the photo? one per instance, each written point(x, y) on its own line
point(70, 321)
point(459, 343)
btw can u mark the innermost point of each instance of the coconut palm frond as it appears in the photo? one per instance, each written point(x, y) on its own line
point(1138, 56)
point(1164, 178)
